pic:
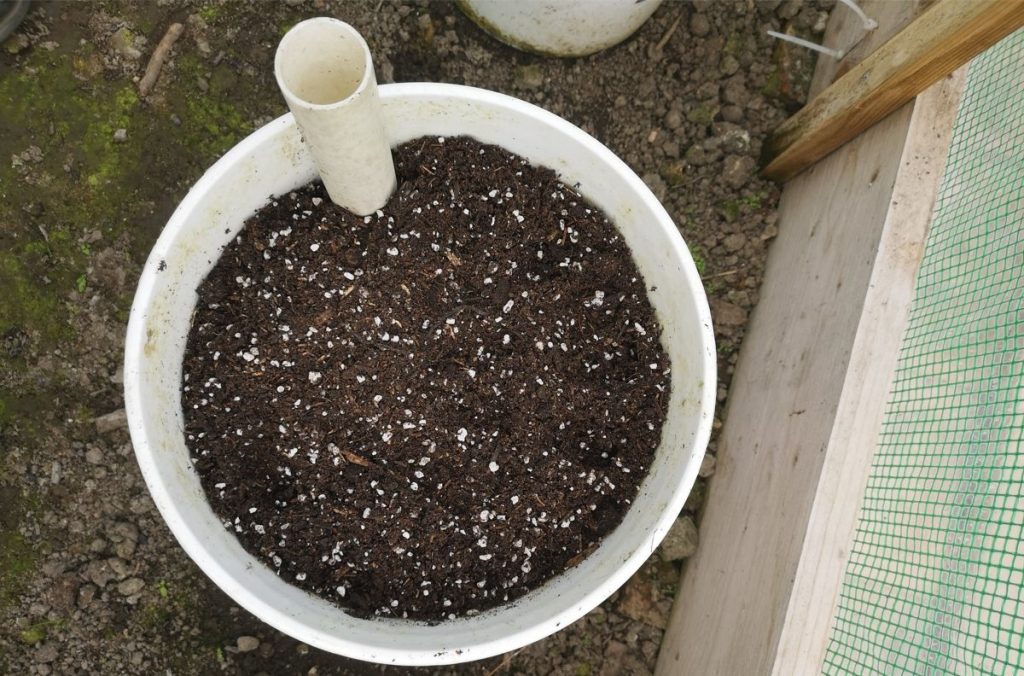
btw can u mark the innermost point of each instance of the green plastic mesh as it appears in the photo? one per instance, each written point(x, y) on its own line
point(935, 583)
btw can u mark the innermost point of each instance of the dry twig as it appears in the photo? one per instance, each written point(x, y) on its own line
point(156, 61)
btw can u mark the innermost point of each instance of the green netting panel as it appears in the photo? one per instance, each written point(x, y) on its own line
point(935, 583)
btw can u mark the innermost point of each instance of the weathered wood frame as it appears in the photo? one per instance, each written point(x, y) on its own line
point(808, 394)
point(944, 37)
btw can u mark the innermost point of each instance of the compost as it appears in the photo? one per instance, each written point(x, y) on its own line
point(429, 411)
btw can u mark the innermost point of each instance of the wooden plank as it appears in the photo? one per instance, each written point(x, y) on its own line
point(734, 595)
point(808, 391)
point(851, 446)
point(940, 40)
point(845, 31)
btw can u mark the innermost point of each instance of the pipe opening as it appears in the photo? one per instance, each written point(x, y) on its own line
point(322, 62)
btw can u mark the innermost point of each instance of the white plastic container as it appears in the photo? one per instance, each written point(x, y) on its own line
point(274, 160)
point(560, 27)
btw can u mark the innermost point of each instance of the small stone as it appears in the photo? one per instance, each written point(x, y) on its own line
point(86, 593)
point(131, 586)
point(46, 653)
point(246, 644)
point(137, 658)
point(699, 25)
point(789, 9)
point(642, 601)
point(17, 44)
point(671, 149)
point(674, 119)
point(729, 65)
point(696, 155)
point(115, 420)
point(735, 92)
point(125, 549)
point(53, 568)
point(707, 465)
point(820, 22)
point(737, 170)
point(727, 314)
point(120, 567)
point(735, 241)
point(302, 649)
point(124, 43)
point(657, 185)
point(681, 540)
point(94, 456)
point(120, 135)
point(99, 573)
point(695, 500)
point(731, 113)
point(529, 77)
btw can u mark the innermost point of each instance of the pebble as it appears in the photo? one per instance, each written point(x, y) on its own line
point(699, 25)
point(737, 169)
point(789, 9)
point(707, 465)
point(246, 644)
point(99, 573)
point(131, 586)
point(674, 119)
point(46, 653)
point(120, 135)
point(529, 77)
point(735, 241)
point(657, 185)
point(735, 91)
point(731, 113)
point(114, 420)
point(642, 601)
point(681, 540)
point(124, 531)
point(124, 44)
point(94, 456)
point(86, 593)
point(727, 314)
point(120, 567)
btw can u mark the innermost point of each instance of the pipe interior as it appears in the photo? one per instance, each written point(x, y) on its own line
point(322, 63)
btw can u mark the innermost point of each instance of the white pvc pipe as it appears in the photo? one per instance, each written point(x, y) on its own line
point(325, 72)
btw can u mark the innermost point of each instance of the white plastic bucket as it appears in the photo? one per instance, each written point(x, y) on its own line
point(273, 160)
point(560, 27)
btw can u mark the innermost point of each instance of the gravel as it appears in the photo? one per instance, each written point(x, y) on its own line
point(681, 541)
point(246, 644)
point(690, 118)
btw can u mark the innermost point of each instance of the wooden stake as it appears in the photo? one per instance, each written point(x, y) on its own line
point(943, 38)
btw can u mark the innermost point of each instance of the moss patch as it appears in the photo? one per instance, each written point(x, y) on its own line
point(17, 558)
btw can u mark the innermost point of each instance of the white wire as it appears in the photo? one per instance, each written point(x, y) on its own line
point(869, 23)
point(834, 53)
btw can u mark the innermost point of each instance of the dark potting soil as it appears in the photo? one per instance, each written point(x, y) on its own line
point(428, 411)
